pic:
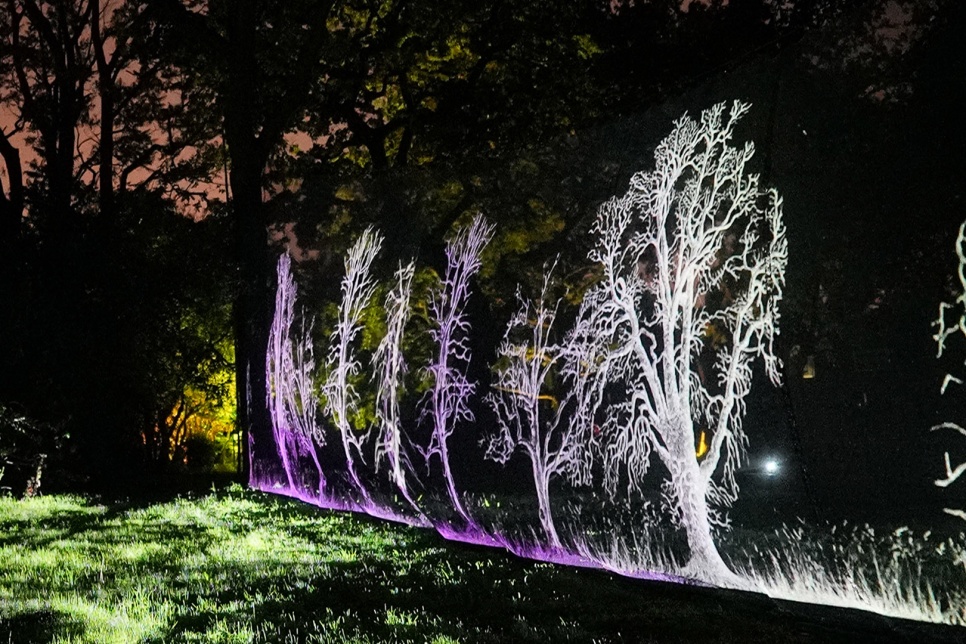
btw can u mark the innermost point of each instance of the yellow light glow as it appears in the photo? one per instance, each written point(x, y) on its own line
point(552, 399)
point(702, 446)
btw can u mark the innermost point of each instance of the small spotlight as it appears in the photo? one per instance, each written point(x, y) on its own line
point(771, 467)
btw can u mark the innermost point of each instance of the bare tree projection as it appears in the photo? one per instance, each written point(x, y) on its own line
point(445, 405)
point(342, 364)
point(692, 260)
point(289, 368)
point(958, 326)
point(529, 419)
point(390, 368)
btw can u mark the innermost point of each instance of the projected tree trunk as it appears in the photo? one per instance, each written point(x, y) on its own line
point(958, 308)
point(529, 419)
point(289, 369)
point(342, 364)
point(692, 262)
point(446, 404)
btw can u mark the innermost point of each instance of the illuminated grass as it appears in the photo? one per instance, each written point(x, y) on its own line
point(245, 567)
point(898, 573)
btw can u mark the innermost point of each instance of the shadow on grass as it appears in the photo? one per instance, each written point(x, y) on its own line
point(39, 627)
point(58, 524)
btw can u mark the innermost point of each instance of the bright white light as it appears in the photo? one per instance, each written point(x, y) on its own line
point(771, 467)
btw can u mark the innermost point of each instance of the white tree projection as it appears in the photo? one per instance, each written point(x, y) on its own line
point(342, 363)
point(289, 368)
point(530, 420)
point(446, 404)
point(648, 386)
point(390, 368)
point(958, 310)
point(692, 260)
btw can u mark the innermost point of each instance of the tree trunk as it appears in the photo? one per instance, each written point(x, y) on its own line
point(705, 561)
point(309, 448)
point(105, 178)
point(62, 172)
point(542, 481)
point(253, 303)
point(691, 492)
point(11, 204)
point(251, 308)
point(283, 438)
point(400, 478)
point(351, 463)
point(450, 484)
point(398, 475)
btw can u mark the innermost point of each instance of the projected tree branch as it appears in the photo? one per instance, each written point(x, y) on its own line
point(957, 309)
point(342, 363)
point(529, 419)
point(446, 404)
point(289, 369)
point(390, 368)
point(692, 260)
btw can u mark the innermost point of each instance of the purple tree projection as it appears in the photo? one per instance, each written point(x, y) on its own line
point(958, 326)
point(390, 368)
point(692, 262)
point(446, 404)
point(530, 420)
point(342, 364)
point(289, 367)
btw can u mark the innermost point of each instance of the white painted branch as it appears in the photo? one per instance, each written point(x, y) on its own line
point(957, 308)
point(289, 370)
point(342, 364)
point(390, 368)
point(951, 474)
point(445, 405)
point(530, 419)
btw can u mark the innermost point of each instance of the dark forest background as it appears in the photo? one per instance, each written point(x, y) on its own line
point(158, 156)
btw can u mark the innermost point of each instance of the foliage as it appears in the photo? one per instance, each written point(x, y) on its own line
point(26, 449)
point(95, 116)
point(203, 425)
point(122, 347)
point(408, 115)
point(450, 118)
point(122, 315)
point(201, 383)
point(47, 65)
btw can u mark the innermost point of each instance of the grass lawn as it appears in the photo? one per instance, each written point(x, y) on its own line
point(241, 566)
